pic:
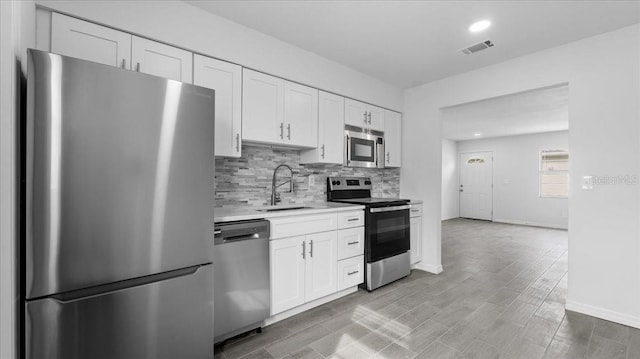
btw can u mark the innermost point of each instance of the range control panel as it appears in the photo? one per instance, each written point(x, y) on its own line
point(348, 183)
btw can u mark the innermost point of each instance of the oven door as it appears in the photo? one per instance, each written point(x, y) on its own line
point(363, 150)
point(387, 231)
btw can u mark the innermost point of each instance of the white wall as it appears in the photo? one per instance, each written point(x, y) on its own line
point(603, 73)
point(183, 25)
point(516, 163)
point(450, 202)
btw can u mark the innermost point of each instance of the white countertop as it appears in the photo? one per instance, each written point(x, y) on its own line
point(241, 213)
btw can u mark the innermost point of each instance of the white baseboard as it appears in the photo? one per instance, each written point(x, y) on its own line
point(435, 269)
point(534, 224)
point(297, 310)
point(603, 313)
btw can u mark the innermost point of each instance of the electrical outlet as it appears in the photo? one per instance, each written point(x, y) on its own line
point(312, 180)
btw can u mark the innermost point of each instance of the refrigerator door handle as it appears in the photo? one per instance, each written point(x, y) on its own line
point(80, 294)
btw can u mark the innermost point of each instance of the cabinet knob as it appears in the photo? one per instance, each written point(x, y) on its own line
point(238, 142)
point(281, 131)
point(288, 131)
point(124, 64)
point(322, 155)
point(137, 66)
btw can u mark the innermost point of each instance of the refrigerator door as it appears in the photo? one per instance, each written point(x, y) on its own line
point(166, 319)
point(120, 172)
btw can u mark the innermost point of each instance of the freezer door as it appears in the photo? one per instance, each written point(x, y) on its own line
point(169, 319)
point(119, 173)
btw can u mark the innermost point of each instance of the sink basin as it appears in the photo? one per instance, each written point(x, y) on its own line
point(277, 209)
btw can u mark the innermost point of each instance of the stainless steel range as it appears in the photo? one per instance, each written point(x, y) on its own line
point(387, 238)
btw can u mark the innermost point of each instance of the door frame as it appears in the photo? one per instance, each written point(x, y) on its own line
point(460, 178)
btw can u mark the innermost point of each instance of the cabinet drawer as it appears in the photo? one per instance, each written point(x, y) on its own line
point(350, 242)
point(350, 272)
point(300, 225)
point(416, 210)
point(350, 219)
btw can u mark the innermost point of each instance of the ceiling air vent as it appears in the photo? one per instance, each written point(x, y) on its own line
point(477, 47)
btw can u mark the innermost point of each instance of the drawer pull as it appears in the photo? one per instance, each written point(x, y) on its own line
point(352, 243)
point(415, 210)
point(353, 219)
point(354, 272)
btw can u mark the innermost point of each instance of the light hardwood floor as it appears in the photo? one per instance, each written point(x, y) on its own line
point(501, 295)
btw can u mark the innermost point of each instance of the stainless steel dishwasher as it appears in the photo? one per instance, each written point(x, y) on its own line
point(241, 288)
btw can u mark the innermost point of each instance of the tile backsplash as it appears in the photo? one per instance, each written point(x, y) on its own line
point(247, 180)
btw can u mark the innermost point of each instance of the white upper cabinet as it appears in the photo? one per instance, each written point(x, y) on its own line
point(300, 115)
point(226, 79)
point(88, 41)
point(363, 115)
point(330, 131)
point(392, 139)
point(262, 107)
point(278, 112)
point(355, 113)
point(376, 118)
point(161, 60)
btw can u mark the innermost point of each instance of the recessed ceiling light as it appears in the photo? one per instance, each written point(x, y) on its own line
point(477, 134)
point(479, 26)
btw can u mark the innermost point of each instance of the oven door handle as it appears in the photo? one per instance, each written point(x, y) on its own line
point(389, 209)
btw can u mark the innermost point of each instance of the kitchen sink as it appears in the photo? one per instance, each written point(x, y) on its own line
point(282, 209)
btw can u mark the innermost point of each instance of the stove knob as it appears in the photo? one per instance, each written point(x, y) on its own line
point(335, 183)
point(338, 183)
point(367, 182)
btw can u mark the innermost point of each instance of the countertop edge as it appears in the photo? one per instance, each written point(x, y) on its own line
point(250, 214)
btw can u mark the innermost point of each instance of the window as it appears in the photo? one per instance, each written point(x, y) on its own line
point(554, 173)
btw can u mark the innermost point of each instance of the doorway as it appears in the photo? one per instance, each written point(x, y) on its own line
point(476, 185)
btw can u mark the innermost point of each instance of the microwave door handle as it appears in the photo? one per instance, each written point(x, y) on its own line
point(346, 152)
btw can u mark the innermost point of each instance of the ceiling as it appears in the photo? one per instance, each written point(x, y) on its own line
point(542, 110)
point(408, 43)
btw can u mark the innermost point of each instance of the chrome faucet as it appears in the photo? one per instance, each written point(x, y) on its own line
point(275, 196)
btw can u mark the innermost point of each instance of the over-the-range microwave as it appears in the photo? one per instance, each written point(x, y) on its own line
point(363, 147)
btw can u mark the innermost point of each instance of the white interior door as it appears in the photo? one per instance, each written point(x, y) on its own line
point(476, 185)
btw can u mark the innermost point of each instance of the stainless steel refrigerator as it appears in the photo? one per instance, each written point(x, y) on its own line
point(118, 245)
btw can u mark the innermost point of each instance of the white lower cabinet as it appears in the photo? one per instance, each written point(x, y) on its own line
point(415, 232)
point(287, 273)
point(321, 264)
point(303, 268)
point(311, 258)
point(350, 272)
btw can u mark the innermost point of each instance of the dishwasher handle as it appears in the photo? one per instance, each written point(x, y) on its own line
point(230, 232)
point(222, 240)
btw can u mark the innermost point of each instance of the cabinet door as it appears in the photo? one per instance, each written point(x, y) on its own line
point(331, 128)
point(321, 265)
point(287, 273)
point(262, 107)
point(415, 232)
point(161, 60)
point(87, 41)
point(392, 139)
point(330, 131)
point(356, 113)
point(226, 79)
point(376, 118)
point(300, 115)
